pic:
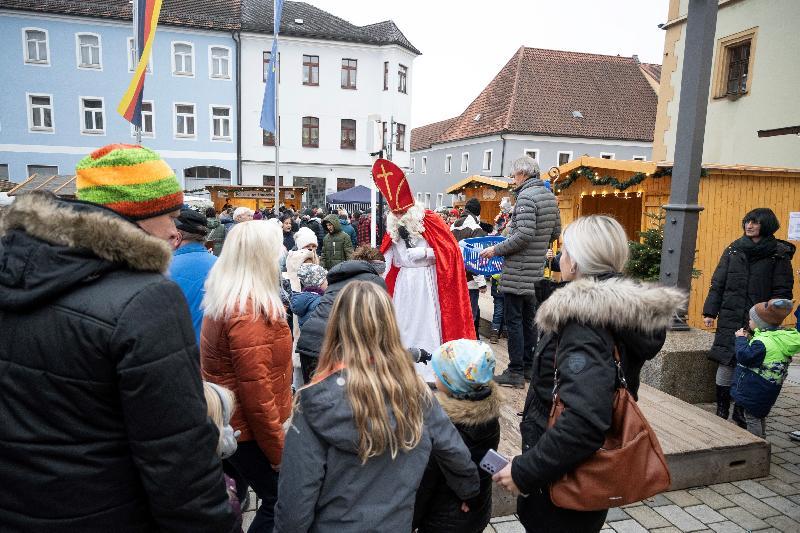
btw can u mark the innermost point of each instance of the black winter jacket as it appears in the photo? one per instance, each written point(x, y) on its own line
point(313, 331)
point(582, 322)
point(746, 275)
point(438, 508)
point(103, 423)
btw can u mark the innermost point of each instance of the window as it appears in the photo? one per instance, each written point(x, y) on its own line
point(487, 160)
point(606, 155)
point(88, 50)
point(220, 123)
point(564, 158)
point(269, 181)
point(639, 158)
point(427, 200)
point(92, 116)
point(268, 139)
point(221, 176)
point(4, 172)
point(448, 163)
point(40, 112)
point(220, 57)
point(348, 134)
point(37, 50)
point(148, 124)
point(400, 146)
point(424, 165)
point(734, 64)
point(42, 170)
point(310, 70)
point(133, 57)
point(385, 75)
point(402, 74)
point(343, 184)
point(184, 120)
point(419, 197)
point(182, 59)
point(413, 165)
point(465, 162)
point(533, 154)
point(439, 200)
point(311, 132)
point(349, 70)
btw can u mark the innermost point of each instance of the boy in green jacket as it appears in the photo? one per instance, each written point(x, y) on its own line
point(336, 246)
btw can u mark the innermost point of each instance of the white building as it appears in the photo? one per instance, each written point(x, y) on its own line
point(335, 80)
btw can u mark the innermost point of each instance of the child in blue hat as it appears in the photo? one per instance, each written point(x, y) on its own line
point(466, 391)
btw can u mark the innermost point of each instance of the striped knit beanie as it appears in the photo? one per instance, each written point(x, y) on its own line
point(131, 180)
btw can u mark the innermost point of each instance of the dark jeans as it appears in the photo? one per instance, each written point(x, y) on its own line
point(251, 462)
point(308, 365)
point(538, 514)
point(519, 314)
point(499, 303)
point(474, 294)
point(241, 482)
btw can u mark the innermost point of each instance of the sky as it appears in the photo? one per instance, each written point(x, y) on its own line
point(464, 44)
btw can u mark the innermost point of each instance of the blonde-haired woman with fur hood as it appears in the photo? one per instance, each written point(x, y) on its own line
point(581, 323)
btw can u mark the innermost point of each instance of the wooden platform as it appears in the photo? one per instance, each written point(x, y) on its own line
point(701, 448)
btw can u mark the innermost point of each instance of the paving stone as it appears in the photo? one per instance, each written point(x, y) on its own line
point(744, 519)
point(627, 526)
point(712, 498)
point(780, 487)
point(785, 506)
point(616, 514)
point(705, 514)
point(794, 469)
point(725, 488)
point(753, 506)
point(507, 518)
point(789, 457)
point(670, 529)
point(606, 531)
point(682, 498)
point(647, 517)
point(727, 527)
point(489, 529)
point(755, 489)
point(508, 527)
point(657, 501)
point(784, 523)
point(636, 504)
point(784, 473)
point(680, 518)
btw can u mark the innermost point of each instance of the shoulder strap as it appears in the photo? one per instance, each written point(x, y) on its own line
point(621, 383)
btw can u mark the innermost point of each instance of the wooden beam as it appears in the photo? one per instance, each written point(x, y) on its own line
point(775, 132)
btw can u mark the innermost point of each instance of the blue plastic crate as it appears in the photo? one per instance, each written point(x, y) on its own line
point(470, 248)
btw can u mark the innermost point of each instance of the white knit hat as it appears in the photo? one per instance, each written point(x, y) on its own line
point(304, 237)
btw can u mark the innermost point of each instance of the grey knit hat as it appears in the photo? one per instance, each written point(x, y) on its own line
point(311, 275)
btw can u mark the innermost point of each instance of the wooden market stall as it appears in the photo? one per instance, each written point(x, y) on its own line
point(629, 190)
point(489, 191)
point(255, 197)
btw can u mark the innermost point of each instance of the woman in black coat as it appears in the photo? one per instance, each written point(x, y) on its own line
point(754, 268)
point(581, 323)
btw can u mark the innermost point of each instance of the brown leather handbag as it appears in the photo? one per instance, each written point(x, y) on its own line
point(628, 468)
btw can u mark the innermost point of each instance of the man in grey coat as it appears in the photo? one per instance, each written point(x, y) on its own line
point(535, 224)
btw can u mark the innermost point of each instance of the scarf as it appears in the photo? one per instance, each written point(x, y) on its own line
point(756, 250)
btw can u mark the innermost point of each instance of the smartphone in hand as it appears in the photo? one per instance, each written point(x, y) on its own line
point(493, 462)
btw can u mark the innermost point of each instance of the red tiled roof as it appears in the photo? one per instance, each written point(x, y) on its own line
point(652, 70)
point(424, 136)
point(538, 90)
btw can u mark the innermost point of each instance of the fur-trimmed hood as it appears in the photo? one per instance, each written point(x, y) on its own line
point(617, 303)
point(48, 245)
point(472, 413)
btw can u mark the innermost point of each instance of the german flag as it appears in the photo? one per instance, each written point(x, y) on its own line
point(145, 18)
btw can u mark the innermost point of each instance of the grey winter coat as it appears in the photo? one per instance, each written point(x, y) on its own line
point(324, 487)
point(535, 223)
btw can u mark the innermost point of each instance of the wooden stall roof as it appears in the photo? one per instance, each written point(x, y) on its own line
point(743, 169)
point(610, 164)
point(252, 188)
point(500, 183)
point(59, 184)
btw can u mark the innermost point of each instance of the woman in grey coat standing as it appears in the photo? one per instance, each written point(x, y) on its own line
point(363, 430)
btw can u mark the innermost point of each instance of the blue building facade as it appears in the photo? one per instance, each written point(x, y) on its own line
point(65, 76)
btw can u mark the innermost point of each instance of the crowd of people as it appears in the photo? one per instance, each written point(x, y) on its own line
point(166, 361)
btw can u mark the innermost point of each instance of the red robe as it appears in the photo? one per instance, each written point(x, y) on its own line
point(455, 309)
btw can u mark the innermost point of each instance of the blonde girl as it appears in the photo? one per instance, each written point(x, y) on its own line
point(363, 431)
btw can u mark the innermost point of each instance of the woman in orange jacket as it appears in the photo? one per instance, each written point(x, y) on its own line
point(246, 346)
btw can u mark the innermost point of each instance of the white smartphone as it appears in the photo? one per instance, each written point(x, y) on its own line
point(493, 462)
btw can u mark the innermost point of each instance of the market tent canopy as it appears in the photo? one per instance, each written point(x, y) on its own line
point(354, 195)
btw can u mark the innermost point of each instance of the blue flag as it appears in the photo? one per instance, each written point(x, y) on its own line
point(268, 110)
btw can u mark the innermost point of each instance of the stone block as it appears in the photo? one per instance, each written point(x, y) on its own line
point(627, 526)
point(682, 368)
point(680, 518)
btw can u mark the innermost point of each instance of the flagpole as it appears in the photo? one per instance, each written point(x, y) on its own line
point(137, 48)
point(276, 26)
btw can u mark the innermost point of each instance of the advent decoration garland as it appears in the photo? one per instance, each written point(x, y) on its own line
point(595, 179)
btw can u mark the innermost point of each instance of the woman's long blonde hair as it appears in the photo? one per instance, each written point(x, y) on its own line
point(363, 336)
point(247, 270)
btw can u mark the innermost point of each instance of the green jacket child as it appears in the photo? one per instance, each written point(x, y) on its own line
point(336, 246)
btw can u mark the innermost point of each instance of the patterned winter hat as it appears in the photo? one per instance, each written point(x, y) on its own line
point(311, 275)
point(463, 365)
point(770, 314)
point(129, 179)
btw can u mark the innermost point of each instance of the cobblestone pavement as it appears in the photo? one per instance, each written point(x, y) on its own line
point(765, 504)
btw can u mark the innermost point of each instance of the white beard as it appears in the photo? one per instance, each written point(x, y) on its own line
point(411, 219)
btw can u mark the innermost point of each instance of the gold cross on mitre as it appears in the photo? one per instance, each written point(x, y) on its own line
point(385, 177)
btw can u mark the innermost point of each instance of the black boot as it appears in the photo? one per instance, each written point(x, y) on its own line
point(738, 416)
point(723, 401)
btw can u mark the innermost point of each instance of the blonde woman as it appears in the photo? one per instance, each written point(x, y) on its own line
point(363, 430)
point(246, 346)
point(581, 324)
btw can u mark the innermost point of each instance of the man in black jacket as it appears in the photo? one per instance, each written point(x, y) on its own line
point(104, 424)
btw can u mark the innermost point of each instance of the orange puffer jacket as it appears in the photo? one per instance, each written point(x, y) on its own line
point(253, 358)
